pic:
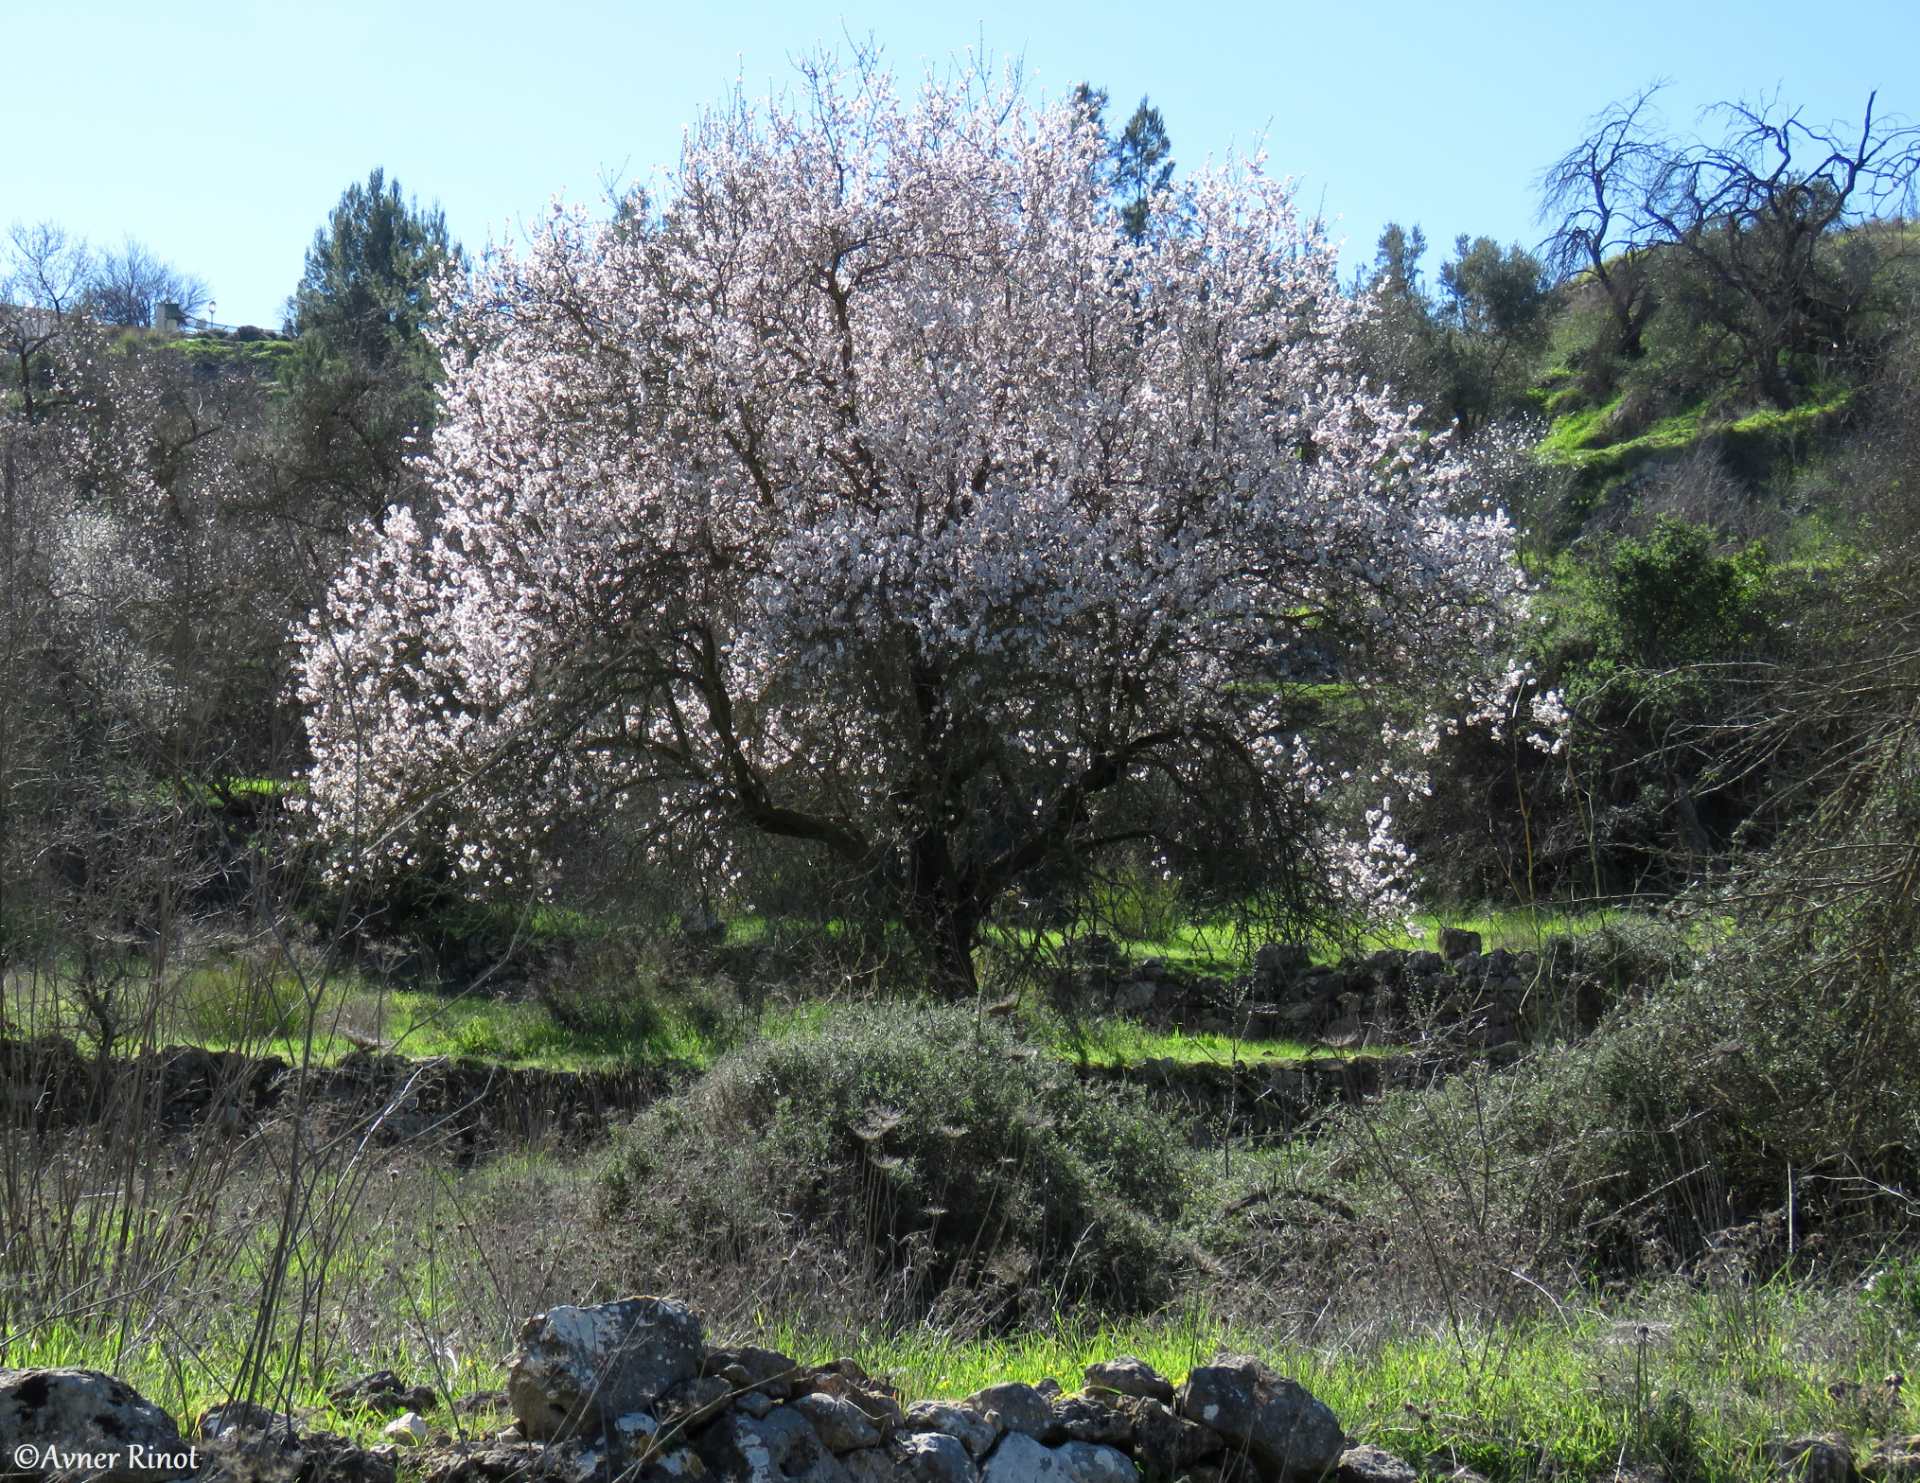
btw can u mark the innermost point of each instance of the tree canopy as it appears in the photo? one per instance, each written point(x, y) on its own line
point(361, 382)
point(876, 491)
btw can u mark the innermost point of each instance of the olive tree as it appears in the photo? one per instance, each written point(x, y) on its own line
point(873, 489)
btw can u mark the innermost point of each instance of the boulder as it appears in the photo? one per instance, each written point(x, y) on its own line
point(1277, 964)
point(512, 1462)
point(577, 1368)
point(693, 1403)
point(1020, 1408)
point(874, 1465)
point(1091, 1462)
point(933, 1457)
point(1020, 1459)
point(975, 1433)
point(83, 1412)
point(875, 1399)
point(1126, 1375)
point(385, 1392)
point(837, 1421)
point(242, 1455)
point(1281, 1428)
point(1167, 1445)
point(409, 1429)
point(1081, 1418)
point(239, 1416)
point(747, 1365)
point(1813, 1459)
point(1372, 1465)
point(1457, 943)
point(779, 1447)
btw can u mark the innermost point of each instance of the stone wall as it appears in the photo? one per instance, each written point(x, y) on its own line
point(1461, 996)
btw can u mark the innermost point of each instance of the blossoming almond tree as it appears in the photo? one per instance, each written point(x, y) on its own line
point(870, 488)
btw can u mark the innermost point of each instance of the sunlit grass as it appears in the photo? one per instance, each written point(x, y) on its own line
point(1120, 1042)
point(324, 1019)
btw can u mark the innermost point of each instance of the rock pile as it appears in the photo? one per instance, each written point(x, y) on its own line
point(630, 1388)
point(631, 1391)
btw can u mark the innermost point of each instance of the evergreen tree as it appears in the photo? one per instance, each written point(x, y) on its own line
point(361, 383)
point(1138, 168)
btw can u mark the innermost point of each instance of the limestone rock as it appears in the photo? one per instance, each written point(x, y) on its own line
point(86, 1411)
point(693, 1402)
point(1081, 1418)
point(972, 1431)
point(1167, 1445)
point(576, 1368)
point(408, 1429)
point(510, 1462)
point(238, 1416)
point(777, 1448)
point(1283, 1430)
point(1126, 1375)
point(1020, 1408)
point(1020, 1459)
point(385, 1392)
point(1372, 1465)
point(933, 1457)
point(1090, 1462)
point(837, 1421)
point(767, 1370)
point(242, 1455)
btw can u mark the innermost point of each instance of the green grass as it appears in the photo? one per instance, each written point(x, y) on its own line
point(1518, 929)
point(227, 1005)
point(1693, 1380)
point(1697, 1381)
point(222, 1007)
point(1118, 1042)
point(1580, 440)
point(266, 355)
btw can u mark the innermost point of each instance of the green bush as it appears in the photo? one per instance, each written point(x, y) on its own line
point(917, 1149)
point(1762, 1108)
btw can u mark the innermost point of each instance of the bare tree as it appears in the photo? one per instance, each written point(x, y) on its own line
point(1754, 216)
point(1591, 196)
point(128, 285)
point(44, 273)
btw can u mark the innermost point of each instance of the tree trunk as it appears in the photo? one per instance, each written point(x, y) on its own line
point(944, 916)
point(949, 950)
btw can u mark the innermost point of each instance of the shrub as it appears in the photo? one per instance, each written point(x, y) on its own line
point(922, 1151)
point(1761, 1109)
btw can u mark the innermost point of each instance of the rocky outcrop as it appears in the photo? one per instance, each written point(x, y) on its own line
point(66, 1422)
point(1269, 1419)
point(578, 1371)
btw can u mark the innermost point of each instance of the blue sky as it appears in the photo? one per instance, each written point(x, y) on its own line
point(221, 134)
